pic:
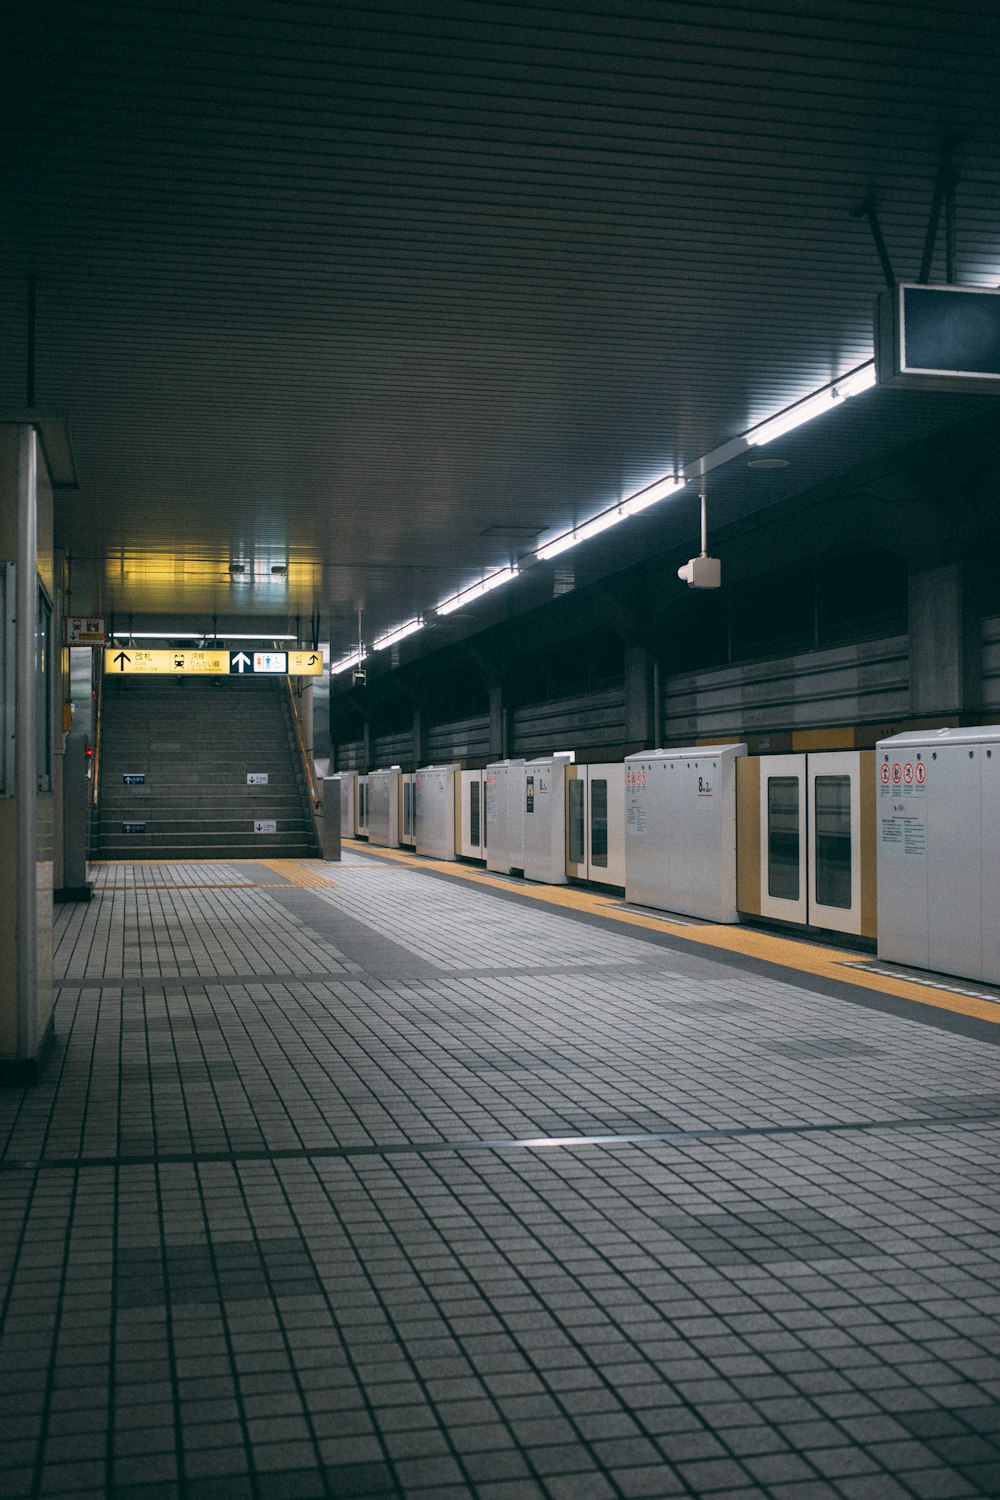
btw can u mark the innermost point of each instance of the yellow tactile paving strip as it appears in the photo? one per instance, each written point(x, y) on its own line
point(788, 953)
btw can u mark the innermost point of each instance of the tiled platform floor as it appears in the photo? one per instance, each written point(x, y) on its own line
point(293, 1212)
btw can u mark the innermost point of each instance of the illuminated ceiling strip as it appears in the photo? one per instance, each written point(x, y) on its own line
point(813, 406)
point(476, 590)
point(852, 384)
point(354, 660)
point(631, 506)
point(180, 635)
point(399, 634)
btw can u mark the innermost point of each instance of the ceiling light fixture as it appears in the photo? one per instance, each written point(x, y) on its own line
point(476, 590)
point(354, 660)
point(862, 379)
point(393, 637)
point(630, 506)
point(181, 635)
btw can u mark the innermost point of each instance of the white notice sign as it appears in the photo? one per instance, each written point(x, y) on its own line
point(265, 825)
point(257, 778)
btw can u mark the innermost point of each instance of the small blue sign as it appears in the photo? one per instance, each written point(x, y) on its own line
point(133, 828)
point(134, 778)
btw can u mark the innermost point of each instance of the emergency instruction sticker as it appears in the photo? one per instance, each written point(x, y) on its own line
point(636, 779)
point(902, 807)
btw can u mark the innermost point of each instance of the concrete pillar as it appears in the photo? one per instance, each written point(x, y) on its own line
point(421, 755)
point(642, 694)
point(29, 694)
point(499, 724)
point(944, 648)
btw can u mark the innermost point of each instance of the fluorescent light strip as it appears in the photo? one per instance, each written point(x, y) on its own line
point(630, 506)
point(354, 660)
point(399, 634)
point(861, 379)
point(476, 590)
point(180, 635)
point(813, 406)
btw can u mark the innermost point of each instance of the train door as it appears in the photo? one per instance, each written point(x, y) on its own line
point(595, 823)
point(811, 844)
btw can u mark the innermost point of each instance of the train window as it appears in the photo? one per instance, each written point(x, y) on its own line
point(576, 814)
point(783, 837)
point(832, 804)
point(474, 814)
point(599, 822)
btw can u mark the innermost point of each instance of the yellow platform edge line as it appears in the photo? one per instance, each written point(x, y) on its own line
point(786, 953)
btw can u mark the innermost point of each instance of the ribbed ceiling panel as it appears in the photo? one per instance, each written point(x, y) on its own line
point(350, 284)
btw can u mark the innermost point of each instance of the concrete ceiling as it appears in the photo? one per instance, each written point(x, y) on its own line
point(385, 294)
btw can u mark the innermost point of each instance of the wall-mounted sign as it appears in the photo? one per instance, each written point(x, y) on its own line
point(134, 778)
point(265, 825)
point(84, 630)
point(133, 828)
point(257, 778)
point(183, 663)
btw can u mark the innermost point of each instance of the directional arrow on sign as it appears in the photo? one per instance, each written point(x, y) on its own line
point(312, 660)
point(122, 659)
point(241, 661)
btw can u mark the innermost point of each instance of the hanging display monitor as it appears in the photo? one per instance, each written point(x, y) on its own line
point(941, 338)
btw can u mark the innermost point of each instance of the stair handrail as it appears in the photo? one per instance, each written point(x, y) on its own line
point(300, 739)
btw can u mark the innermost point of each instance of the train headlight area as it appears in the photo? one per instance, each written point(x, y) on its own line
point(893, 852)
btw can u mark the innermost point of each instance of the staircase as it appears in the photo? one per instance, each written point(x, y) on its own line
point(195, 741)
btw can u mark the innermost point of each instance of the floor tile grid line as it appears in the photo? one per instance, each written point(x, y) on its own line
point(517, 1278)
point(531, 1144)
point(379, 1300)
point(759, 1354)
point(253, 1479)
point(302, 1232)
point(171, 1348)
point(266, 1064)
point(60, 1300)
point(259, 1245)
point(654, 1309)
point(844, 1160)
point(341, 1056)
point(32, 1099)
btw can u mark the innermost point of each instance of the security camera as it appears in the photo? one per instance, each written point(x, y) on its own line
point(359, 677)
point(701, 572)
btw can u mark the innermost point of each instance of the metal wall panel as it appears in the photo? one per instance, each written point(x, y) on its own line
point(544, 807)
point(383, 808)
point(680, 830)
point(434, 811)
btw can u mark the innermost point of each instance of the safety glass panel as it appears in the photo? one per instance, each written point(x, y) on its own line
point(407, 807)
point(598, 823)
point(362, 817)
point(832, 813)
point(783, 837)
point(576, 812)
point(474, 813)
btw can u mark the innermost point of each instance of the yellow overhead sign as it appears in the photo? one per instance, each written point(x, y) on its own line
point(132, 659)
